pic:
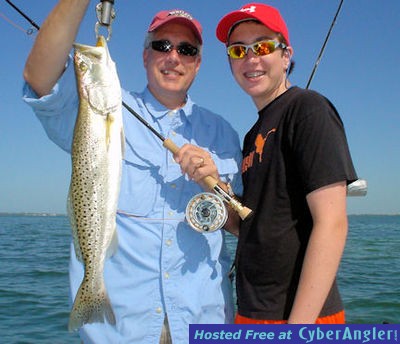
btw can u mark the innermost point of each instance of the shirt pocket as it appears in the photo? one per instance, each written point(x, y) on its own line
point(138, 191)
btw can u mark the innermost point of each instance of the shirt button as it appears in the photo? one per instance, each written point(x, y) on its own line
point(173, 186)
point(170, 213)
point(173, 133)
point(159, 310)
point(169, 242)
point(166, 275)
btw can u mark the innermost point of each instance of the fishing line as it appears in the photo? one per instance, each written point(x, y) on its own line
point(105, 20)
point(36, 26)
point(211, 183)
point(8, 20)
point(206, 211)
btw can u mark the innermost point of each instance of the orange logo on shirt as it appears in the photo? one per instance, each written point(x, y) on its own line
point(259, 144)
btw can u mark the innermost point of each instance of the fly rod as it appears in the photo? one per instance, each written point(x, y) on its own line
point(211, 182)
point(36, 26)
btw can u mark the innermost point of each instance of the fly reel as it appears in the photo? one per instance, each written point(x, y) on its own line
point(206, 212)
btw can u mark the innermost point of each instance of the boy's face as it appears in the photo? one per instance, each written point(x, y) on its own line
point(262, 77)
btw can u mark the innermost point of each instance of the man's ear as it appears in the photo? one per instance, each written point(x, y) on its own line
point(144, 56)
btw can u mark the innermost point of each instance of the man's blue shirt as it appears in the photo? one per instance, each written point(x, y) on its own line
point(162, 266)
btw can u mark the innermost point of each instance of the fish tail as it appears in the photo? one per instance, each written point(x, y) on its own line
point(91, 305)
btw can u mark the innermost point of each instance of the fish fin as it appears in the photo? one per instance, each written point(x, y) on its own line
point(92, 305)
point(74, 228)
point(113, 247)
point(109, 122)
point(122, 142)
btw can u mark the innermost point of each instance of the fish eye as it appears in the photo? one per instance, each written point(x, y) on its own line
point(83, 66)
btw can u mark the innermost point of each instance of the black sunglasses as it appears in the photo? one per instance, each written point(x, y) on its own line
point(183, 48)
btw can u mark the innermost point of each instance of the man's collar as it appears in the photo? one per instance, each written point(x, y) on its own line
point(159, 110)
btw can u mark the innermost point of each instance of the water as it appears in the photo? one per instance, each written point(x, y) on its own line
point(34, 253)
point(34, 250)
point(369, 275)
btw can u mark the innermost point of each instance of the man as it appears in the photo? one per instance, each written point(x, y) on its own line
point(296, 165)
point(164, 275)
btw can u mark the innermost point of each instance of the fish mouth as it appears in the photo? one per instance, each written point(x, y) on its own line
point(101, 41)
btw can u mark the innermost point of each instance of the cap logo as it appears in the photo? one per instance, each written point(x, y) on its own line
point(250, 9)
point(180, 13)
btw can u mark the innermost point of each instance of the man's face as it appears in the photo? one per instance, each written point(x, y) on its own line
point(170, 74)
point(262, 77)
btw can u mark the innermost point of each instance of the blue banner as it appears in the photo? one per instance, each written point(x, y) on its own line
point(306, 334)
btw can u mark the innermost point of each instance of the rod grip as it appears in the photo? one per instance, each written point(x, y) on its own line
point(212, 184)
point(172, 147)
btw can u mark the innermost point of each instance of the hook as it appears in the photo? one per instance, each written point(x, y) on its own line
point(105, 16)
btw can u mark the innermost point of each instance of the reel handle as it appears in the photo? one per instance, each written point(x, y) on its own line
point(212, 184)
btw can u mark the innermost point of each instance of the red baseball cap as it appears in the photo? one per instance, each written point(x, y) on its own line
point(267, 15)
point(180, 16)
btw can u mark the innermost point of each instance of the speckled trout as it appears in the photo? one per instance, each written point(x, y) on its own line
point(97, 152)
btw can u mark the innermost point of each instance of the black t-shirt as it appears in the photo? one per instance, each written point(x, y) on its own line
point(297, 145)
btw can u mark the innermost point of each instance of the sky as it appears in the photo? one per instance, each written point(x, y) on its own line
point(359, 72)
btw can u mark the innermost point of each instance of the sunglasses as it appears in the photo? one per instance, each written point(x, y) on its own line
point(261, 48)
point(165, 46)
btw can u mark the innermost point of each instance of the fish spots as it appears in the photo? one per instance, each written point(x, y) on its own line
point(96, 169)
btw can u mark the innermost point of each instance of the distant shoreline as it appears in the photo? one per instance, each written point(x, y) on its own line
point(30, 214)
point(60, 214)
